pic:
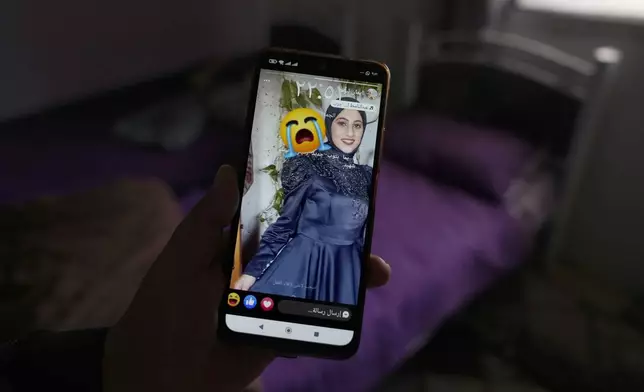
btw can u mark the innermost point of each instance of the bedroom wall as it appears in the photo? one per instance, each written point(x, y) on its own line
point(56, 51)
point(605, 234)
point(372, 31)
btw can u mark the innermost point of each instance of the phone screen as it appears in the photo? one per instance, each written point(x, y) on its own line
point(305, 211)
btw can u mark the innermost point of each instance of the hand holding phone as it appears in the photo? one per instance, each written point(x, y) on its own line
point(315, 127)
point(166, 339)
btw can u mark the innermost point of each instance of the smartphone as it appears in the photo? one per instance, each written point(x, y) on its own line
point(303, 231)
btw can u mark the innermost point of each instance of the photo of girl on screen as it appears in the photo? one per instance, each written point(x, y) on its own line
point(314, 249)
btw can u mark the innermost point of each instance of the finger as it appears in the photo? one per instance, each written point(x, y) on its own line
point(223, 242)
point(378, 272)
point(218, 207)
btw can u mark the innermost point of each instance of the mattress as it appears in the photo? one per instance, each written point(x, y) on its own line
point(444, 246)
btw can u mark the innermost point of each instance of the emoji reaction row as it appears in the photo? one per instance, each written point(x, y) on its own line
point(250, 302)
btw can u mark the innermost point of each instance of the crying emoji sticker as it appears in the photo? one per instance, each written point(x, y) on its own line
point(303, 132)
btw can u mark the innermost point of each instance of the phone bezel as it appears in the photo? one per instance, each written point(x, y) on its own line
point(329, 66)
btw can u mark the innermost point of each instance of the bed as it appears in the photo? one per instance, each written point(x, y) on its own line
point(447, 235)
point(446, 238)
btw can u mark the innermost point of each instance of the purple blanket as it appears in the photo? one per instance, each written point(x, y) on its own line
point(444, 246)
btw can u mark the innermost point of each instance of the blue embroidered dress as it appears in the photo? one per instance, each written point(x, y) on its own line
point(314, 249)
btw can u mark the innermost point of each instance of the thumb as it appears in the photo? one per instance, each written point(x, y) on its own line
point(219, 205)
point(199, 237)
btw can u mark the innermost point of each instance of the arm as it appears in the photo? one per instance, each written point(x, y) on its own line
point(61, 361)
point(296, 178)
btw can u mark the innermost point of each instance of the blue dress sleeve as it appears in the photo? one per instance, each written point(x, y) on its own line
point(296, 180)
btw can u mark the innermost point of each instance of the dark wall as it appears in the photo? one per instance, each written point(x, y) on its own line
point(58, 51)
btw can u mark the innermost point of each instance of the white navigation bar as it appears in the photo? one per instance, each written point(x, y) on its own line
point(286, 330)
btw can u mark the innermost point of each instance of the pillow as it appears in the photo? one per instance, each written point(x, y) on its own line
point(479, 160)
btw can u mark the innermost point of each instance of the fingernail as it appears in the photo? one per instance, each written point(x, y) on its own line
point(381, 259)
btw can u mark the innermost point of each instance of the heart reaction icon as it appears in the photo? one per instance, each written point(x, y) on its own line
point(266, 304)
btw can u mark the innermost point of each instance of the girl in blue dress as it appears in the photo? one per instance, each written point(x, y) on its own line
point(314, 249)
